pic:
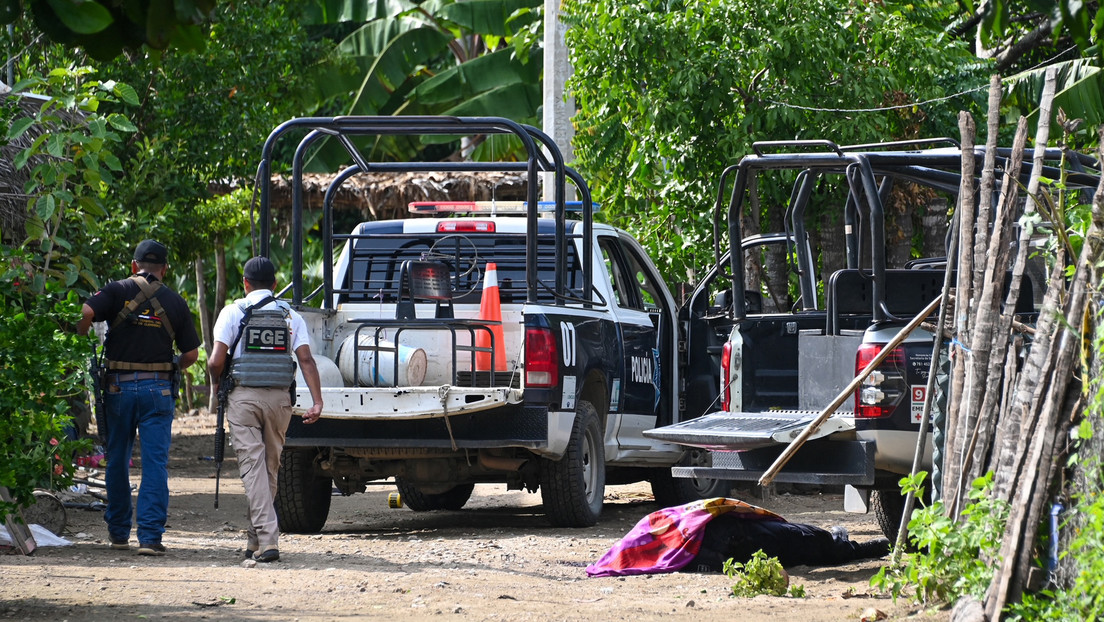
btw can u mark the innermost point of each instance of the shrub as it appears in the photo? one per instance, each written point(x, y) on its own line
point(42, 366)
point(952, 559)
point(761, 575)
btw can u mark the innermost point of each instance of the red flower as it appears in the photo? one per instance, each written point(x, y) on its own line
point(58, 469)
point(54, 442)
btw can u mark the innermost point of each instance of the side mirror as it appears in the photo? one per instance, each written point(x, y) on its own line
point(753, 302)
point(723, 299)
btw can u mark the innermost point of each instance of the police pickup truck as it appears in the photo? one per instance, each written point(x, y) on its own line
point(779, 369)
point(514, 343)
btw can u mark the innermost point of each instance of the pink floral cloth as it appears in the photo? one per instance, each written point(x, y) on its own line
point(667, 540)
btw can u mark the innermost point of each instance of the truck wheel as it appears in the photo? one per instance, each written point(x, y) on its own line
point(573, 487)
point(302, 497)
point(670, 491)
point(452, 499)
point(888, 506)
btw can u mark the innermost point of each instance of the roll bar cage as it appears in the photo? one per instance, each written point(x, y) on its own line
point(542, 155)
point(870, 171)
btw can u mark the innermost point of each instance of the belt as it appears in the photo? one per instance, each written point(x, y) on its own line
point(134, 376)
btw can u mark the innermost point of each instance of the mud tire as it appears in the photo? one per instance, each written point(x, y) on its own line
point(573, 487)
point(302, 496)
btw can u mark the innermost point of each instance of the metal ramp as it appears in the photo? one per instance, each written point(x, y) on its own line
point(724, 431)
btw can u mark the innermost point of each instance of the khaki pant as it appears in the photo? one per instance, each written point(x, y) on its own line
point(258, 423)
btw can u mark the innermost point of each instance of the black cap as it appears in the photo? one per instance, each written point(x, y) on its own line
point(260, 269)
point(151, 251)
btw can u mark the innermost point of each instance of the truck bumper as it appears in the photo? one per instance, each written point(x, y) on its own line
point(406, 402)
point(508, 426)
point(823, 462)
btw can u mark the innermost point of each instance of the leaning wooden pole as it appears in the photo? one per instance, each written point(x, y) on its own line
point(779, 462)
point(988, 344)
point(944, 461)
point(925, 417)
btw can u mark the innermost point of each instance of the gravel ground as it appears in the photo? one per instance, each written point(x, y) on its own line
point(497, 559)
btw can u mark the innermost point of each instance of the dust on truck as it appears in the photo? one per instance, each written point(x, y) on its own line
point(424, 382)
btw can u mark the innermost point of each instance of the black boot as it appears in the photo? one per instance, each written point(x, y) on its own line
point(871, 549)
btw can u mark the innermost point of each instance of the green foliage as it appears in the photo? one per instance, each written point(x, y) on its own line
point(1083, 600)
point(42, 367)
point(670, 93)
point(72, 167)
point(73, 163)
point(1003, 20)
point(105, 28)
point(760, 575)
point(951, 559)
point(207, 112)
point(1079, 93)
point(471, 58)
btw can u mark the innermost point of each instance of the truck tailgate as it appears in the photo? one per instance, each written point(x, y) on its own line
point(723, 431)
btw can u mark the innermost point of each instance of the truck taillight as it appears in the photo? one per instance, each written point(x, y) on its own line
point(726, 391)
point(883, 389)
point(541, 357)
point(466, 226)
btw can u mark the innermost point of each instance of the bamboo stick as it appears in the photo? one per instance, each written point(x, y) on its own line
point(769, 475)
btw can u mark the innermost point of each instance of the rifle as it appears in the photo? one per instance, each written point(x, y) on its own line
point(96, 371)
point(226, 384)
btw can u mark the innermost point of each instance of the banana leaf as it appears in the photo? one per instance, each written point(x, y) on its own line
point(1080, 92)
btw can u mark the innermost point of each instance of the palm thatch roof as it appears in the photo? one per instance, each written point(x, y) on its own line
point(381, 196)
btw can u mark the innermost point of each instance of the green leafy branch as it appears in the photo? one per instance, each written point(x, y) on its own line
point(760, 575)
point(72, 165)
point(949, 559)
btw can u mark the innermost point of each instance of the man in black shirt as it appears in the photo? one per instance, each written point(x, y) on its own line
point(145, 319)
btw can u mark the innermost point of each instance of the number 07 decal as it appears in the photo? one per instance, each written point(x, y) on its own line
point(567, 332)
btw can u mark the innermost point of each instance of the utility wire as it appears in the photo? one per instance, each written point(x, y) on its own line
point(914, 104)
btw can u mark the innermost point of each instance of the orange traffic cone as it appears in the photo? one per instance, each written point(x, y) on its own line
point(490, 309)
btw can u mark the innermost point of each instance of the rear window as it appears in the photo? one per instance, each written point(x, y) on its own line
point(376, 262)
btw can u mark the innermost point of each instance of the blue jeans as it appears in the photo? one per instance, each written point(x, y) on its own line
point(143, 408)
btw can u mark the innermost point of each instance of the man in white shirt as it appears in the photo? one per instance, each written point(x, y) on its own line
point(262, 334)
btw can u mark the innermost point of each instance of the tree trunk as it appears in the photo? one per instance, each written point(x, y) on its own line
point(220, 302)
point(960, 325)
point(991, 342)
point(833, 245)
point(934, 223)
point(204, 319)
point(777, 267)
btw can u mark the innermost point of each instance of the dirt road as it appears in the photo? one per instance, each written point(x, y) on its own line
point(497, 559)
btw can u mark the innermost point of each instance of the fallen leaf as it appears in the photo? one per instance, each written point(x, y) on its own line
point(871, 614)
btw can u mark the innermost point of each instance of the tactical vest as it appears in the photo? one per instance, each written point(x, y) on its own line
point(266, 359)
point(148, 291)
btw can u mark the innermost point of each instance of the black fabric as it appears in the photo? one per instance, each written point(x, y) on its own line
point(794, 544)
point(260, 269)
point(145, 340)
point(151, 251)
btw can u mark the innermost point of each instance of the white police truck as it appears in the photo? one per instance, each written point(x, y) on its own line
point(514, 343)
